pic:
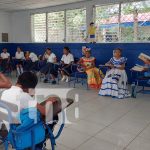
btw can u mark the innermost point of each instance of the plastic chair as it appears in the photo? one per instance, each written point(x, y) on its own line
point(77, 77)
point(139, 80)
point(18, 138)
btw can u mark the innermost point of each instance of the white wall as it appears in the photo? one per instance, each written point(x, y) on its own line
point(21, 22)
point(5, 23)
point(21, 27)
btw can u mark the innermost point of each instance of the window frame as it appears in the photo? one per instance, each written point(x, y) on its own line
point(32, 27)
point(119, 20)
point(84, 8)
point(65, 28)
point(94, 19)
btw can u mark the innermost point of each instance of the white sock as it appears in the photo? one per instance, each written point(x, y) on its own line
point(67, 79)
point(18, 70)
point(63, 78)
point(21, 69)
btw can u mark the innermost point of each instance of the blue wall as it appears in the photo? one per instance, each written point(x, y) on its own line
point(102, 52)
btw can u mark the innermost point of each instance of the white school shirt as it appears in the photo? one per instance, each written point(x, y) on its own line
point(33, 57)
point(67, 59)
point(51, 58)
point(46, 56)
point(17, 96)
point(5, 55)
point(19, 55)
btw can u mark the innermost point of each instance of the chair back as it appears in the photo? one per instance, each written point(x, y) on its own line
point(6, 110)
point(27, 134)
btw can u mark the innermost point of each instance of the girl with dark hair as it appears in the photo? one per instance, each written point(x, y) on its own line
point(94, 75)
point(67, 60)
point(115, 82)
point(31, 61)
point(19, 57)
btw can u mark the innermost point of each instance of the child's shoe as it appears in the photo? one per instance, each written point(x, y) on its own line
point(45, 81)
point(53, 82)
point(67, 79)
point(63, 78)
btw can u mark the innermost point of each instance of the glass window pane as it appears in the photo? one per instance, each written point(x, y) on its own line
point(107, 22)
point(75, 25)
point(135, 21)
point(39, 27)
point(56, 26)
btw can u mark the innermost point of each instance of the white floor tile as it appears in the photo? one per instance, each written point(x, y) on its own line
point(115, 136)
point(86, 127)
point(146, 133)
point(139, 144)
point(72, 139)
point(96, 144)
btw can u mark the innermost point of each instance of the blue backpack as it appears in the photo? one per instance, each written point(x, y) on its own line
point(30, 132)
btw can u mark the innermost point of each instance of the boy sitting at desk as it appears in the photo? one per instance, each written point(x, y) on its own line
point(21, 95)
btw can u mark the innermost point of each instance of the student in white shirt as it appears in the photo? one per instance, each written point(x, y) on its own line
point(31, 61)
point(20, 93)
point(67, 60)
point(19, 57)
point(5, 57)
point(35, 61)
point(46, 54)
point(21, 96)
point(49, 67)
point(33, 57)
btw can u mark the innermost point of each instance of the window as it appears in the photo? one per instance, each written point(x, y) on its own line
point(125, 22)
point(39, 27)
point(135, 21)
point(62, 26)
point(107, 18)
point(75, 25)
point(56, 26)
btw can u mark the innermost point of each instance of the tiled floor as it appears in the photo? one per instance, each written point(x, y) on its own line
point(104, 123)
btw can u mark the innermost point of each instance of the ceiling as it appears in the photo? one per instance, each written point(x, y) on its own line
point(14, 5)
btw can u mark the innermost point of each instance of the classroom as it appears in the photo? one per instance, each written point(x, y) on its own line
point(74, 74)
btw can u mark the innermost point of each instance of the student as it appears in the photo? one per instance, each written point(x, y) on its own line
point(33, 57)
point(31, 61)
point(115, 82)
point(88, 64)
point(22, 93)
point(49, 67)
point(46, 54)
point(27, 62)
point(34, 60)
point(67, 60)
point(19, 56)
point(5, 57)
point(41, 62)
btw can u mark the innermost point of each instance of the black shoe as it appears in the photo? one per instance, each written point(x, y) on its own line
point(45, 81)
point(53, 82)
